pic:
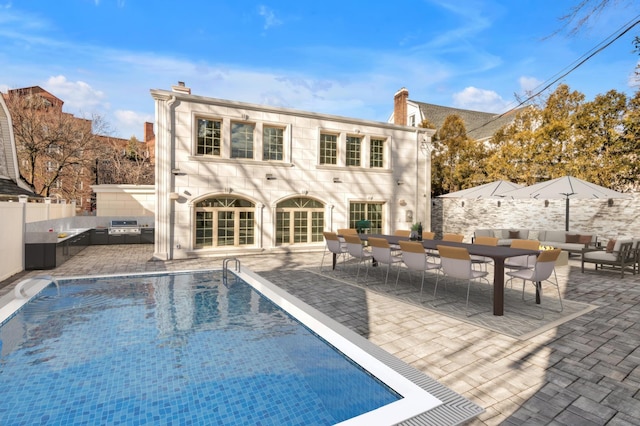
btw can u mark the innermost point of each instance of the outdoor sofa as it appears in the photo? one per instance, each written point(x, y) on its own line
point(621, 253)
point(570, 241)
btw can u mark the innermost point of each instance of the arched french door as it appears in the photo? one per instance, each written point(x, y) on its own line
point(224, 221)
point(299, 220)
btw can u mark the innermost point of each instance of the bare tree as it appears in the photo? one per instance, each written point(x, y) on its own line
point(580, 14)
point(55, 149)
point(125, 162)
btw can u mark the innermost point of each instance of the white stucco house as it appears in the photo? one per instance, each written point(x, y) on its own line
point(240, 177)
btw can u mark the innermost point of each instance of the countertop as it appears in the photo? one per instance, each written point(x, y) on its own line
point(52, 237)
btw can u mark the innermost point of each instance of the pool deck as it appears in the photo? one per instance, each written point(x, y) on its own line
point(585, 371)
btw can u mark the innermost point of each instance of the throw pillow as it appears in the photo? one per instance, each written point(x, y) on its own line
point(610, 245)
point(514, 235)
point(572, 238)
point(584, 239)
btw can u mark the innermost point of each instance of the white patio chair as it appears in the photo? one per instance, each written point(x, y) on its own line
point(544, 266)
point(522, 262)
point(416, 259)
point(456, 263)
point(483, 260)
point(381, 252)
point(334, 246)
point(356, 248)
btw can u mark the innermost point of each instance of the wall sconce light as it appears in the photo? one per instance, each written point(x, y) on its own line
point(546, 203)
point(610, 202)
point(408, 216)
point(399, 182)
point(499, 203)
point(228, 190)
point(337, 180)
point(174, 196)
point(176, 172)
point(357, 131)
point(270, 176)
point(304, 191)
point(462, 204)
point(245, 116)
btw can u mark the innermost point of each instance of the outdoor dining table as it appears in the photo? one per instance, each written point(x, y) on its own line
point(498, 253)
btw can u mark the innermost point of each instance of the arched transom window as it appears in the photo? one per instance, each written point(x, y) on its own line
point(299, 220)
point(224, 221)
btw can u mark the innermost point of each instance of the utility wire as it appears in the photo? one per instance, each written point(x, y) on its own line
point(594, 51)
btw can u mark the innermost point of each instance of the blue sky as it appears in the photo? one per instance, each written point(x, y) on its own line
point(339, 57)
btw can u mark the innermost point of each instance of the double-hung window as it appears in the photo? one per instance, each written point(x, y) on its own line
point(242, 140)
point(328, 149)
point(209, 137)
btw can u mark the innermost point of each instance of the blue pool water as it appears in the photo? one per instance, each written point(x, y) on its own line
point(179, 349)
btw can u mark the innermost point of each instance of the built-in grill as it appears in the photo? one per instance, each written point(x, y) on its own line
point(124, 227)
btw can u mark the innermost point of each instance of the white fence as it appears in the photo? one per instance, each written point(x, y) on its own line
point(15, 216)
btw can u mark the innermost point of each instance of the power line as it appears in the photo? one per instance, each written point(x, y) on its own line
point(594, 51)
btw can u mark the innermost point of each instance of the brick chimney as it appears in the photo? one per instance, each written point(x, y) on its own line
point(400, 106)
point(181, 88)
point(148, 132)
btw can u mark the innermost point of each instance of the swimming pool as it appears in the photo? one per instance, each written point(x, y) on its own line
point(188, 347)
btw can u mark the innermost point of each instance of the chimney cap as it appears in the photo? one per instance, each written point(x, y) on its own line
point(402, 91)
point(181, 88)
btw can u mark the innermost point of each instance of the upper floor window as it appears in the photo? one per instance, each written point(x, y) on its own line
point(209, 137)
point(377, 152)
point(53, 149)
point(412, 120)
point(354, 144)
point(242, 140)
point(328, 149)
point(273, 143)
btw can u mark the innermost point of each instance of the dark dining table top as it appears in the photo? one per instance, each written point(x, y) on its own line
point(494, 252)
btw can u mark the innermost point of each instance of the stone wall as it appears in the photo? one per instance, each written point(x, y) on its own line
point(594, 215)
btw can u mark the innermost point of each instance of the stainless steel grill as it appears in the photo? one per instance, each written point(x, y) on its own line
point(124, 227)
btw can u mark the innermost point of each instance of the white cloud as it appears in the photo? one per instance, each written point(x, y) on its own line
point(479, 100)
point(130, 123)
point(528, 84)
point(77, 96)
point(270, 19)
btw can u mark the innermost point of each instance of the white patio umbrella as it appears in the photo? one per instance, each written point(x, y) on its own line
point(565, 187)
point(488, 190)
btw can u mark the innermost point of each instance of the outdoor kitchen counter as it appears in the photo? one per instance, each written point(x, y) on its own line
point(52, 237)
point(46, 250)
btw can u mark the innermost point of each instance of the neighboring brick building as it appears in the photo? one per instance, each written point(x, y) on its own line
point(78, 170)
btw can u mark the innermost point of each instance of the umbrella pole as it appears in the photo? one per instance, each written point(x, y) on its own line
point(566, 215)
